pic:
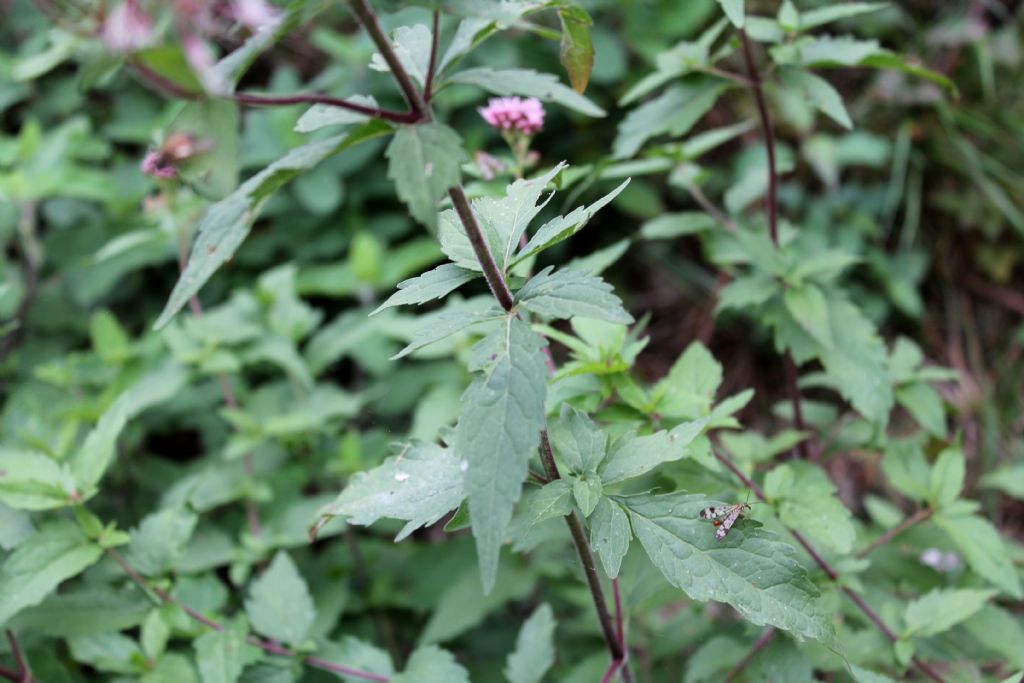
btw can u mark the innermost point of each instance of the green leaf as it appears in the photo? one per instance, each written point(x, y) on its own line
point(42, 562)
point(984, 550)
point(820, 93)
point(424, 161)
point(834, 12)
point(109, 340)
point(567, 292)
point(106, 651)
point(564, 227)
point(749, 291)
point(529, 83)
point(32, 481)
point(925, 404)
point(434, 284)
point(675, 111)
point(719, 653)
point(807, 304)
point(159, 541)
point(499, 428)
point(688, 390)
point(279, 605)
point(226, 224)
point(411, 44)
point(431, 664)
point(630, 455)
point(91, 461)
point(577, 50)
point(734, 10)
point(586, 489)
point(672, 225)
point(554, 499)
point(1009, 480)
point(577, 440)
point(503, 221)
point(940, 610)
point(233, 66)
point(323, 115)
point(222, 655)
point(610, 534)
point(420, 485)
point(806, 499)
point(535, 648)
point(672, 64)
point(446, 323)
point(906, 469)
point(947, 477)
point(749, 569)
point(1000, 631)
point(865, 676)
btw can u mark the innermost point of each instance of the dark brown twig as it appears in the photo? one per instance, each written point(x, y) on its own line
point(496, 282)
point(23, 674)
point(435, 37)
point(916, 518)
point(824, 565)
point(265, 645)
point(758, 645)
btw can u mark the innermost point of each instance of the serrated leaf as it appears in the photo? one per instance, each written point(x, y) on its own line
point(222, 655)
point(42, 562)
point(748, 291)
point(941, 610)
point(947, 477)
point(630, 455)
point(825, 15)
point(529, 83)
point(32, 481)
point(1009, 480)
point(431, 664)
point(586, 489)
point(554, 499)
point(411, 45)
point(675, 111)
point(446, 323)
point(226, 224)
point(734, 10)
point(97, 452)
point(160, 540)
point(820, 93)
point(563, 227)
point(433, 284)
point(279, 604)
point(749, 569)
point(424, 161)
point(610, 534)
point(420, 485)
point(503, 221)
point(808, 307)
point(566, 293)
point(1000, 631)
point(535, 648)
point(806, 499)
point(577, 49)
point(499, 428)
point(577, 440)
point(984, 550)
point(323, 115)
point(906, 469)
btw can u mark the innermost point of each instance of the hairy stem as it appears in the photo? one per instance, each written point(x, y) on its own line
point(267, 646)
point(830, 571)
point(916, 518)
point(496, 282)
point(435, 38)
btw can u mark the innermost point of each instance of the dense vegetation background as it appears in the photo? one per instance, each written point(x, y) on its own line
point(158, 487)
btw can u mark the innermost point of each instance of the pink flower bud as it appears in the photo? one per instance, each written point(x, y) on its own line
point(127, 28)
point(254, 14)
point(514, 114)
point(158, 165)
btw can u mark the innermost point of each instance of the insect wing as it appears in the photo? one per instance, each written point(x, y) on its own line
point(715, 512)
point(730, 519)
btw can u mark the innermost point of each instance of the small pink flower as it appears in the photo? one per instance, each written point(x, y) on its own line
point(203, 62)
point(157, 165)
point(254, 14)
point(514, 113)
point(127, 28)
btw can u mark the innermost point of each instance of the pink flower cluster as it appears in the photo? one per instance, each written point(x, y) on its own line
point(514, 114)
point(127, 28)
